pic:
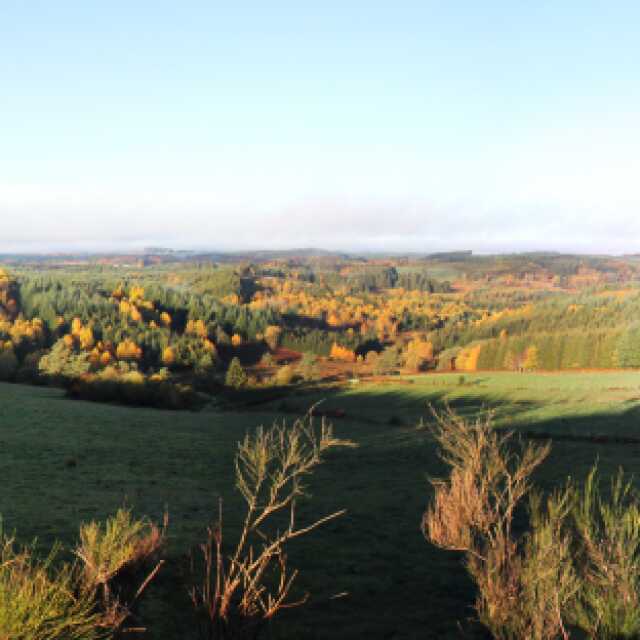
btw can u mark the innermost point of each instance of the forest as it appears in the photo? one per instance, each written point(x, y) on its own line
point(173, 330)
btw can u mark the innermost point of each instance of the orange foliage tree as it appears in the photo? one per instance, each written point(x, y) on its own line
point(344, 354)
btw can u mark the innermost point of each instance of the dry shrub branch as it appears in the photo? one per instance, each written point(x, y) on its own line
point(242, 590)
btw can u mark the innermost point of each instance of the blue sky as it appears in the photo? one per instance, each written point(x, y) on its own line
point(365, 125)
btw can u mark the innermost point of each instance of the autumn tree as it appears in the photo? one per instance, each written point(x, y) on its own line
point(236, 340)
point(87, 341)
point(510, 361)
point(168, 356)
point(530, 362)
point(284, 375)
point(128, 350)
point(272, 336)
point(62, 361)
point(418, 354)
point(344, 354)
point(468, 357)
point(387, 361)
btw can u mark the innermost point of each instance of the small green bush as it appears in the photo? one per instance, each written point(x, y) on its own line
point(607, 534)
point(120, 557)
point(39, 601)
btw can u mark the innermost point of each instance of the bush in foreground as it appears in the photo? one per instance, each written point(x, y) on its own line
point(240, 590)
point(120, 558)
point(39, 601)
point(524, 583)
point(607, 541)
point(578, 565)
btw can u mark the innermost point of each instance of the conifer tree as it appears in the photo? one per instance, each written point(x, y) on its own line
point(236, 376)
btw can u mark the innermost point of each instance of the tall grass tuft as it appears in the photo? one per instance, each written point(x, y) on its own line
point(607, 533)
point(524, 582)
point(120, 558)
point(39, 601)
point(243, 588)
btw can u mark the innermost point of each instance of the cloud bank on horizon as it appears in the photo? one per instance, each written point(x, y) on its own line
point(413, 127)
point(348, 225)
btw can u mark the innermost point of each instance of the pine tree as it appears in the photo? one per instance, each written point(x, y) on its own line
point(236, 375)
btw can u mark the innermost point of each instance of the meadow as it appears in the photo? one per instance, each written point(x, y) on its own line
point(370, 573)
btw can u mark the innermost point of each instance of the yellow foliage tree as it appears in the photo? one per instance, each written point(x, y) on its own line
point(128, 350)
point(344, 354)
point(467, 359)
point(136, 293)
point(530, 359)
point(419, 353)
point(86, 338)
point(168, 356)
point(76, 327)
point(136, 316)
point(272, 336)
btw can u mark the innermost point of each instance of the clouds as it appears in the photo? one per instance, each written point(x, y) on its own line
point(45, 218)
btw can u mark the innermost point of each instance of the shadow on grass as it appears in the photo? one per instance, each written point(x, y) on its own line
point(371, 574)
point(380, 559)
point(397, 407)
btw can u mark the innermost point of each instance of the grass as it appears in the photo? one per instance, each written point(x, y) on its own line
point(370, 573)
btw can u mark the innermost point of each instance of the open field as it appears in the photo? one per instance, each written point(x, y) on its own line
point(66, 461)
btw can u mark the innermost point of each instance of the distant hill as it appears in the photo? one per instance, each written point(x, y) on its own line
point(450, 256)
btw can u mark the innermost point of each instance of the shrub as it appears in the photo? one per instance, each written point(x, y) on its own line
point(8, 364)
point(64, 362)
point(525, 583)
point(40, 602)
point(267, 360)
point(284, 376)
point(236, 597)
point(29, 371)
point(608, 559)
point(308, 367)
point(119, 559)
point(110, 387)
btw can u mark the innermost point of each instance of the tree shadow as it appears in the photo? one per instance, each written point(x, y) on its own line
point(379, 558)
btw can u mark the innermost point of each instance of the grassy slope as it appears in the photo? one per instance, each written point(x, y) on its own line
point(396, 585)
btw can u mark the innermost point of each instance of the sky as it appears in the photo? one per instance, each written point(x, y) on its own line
point(412, 125)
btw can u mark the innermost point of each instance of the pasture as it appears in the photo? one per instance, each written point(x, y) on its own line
point(370, 574)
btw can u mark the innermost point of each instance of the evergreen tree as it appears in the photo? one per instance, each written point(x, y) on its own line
point(236, 376)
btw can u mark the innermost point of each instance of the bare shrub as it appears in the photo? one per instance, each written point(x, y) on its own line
point(119, 560)
point(241, 591)
point(524, 582)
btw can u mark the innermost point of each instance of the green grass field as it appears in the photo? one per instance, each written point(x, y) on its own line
point(64, 461)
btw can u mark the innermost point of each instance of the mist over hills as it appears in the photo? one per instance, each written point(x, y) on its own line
point(166, 254)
